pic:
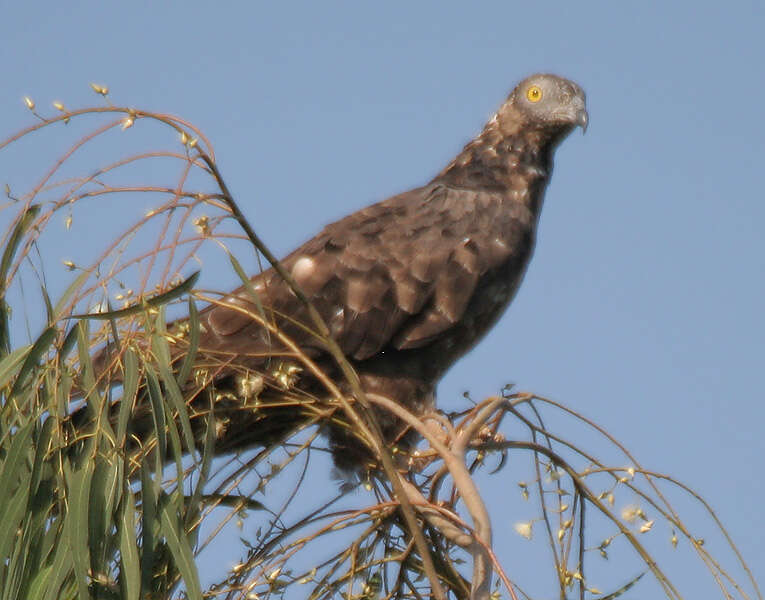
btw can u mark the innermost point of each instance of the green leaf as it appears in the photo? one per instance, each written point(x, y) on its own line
point(79, 488)
point(172, 391)
point(13, 242)
point(155, 301)
point(130, 573)
point(14, 510)
point(129, 392)
point(158, 416)
point(73, 287)
point(87, 376)
point(63, 564)
point(37, 543)
point(105, 492)
point(41, 450)
point(14, 467)
point(33, 547)
point(39, 348)
point(11, 363)
point(5, 327)
point(191, 351)
point(247, 283)
point(5, 264)
point(67, 345)
point(622, 589)
point(40, 583)
point(175, 536)
point(149, 525)
point(208, 453)
point(40, 540)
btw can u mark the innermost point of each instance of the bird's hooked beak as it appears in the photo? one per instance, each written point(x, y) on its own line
point(574, 113)
point(582, 118)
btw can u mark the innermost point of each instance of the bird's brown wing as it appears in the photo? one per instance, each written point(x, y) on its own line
point(394, 275)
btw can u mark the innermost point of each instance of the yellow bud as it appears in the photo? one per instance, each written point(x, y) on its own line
point(69, 265)
point(524, 529)
point(100, 89)
point(29, 102)
point(59, 106)
point(561, 533)
point(193, 143)
point(68, 221)
point(611, 498)
point(631, 471)
point(184, 138)
point(630, 513)
point(202, 224)
point(646, 526)
point(274, 574)
point(673, 541)
point(127, 122)
point(99, 307)
point(594, 590)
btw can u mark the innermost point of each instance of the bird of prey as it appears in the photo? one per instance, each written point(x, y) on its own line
point(406, 286)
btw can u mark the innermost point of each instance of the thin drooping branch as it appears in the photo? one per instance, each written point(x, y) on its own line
point(558, 461)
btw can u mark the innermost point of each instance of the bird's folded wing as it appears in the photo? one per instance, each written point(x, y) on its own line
point(394, 275)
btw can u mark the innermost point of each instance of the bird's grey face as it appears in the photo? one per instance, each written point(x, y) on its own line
point(551, 101)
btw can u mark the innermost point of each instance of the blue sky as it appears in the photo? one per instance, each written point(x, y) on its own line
point(643, 305)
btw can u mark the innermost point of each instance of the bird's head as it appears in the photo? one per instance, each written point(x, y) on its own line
point(545, 102)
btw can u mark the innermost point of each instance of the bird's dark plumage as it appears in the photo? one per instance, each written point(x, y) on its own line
point(408, 285)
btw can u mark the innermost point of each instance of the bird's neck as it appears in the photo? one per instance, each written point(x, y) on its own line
point(503, 159)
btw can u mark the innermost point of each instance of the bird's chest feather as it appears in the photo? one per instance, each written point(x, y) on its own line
point(493, 293)
point(492, 296)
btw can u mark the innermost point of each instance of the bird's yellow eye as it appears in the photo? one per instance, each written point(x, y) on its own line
point(534, 93)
